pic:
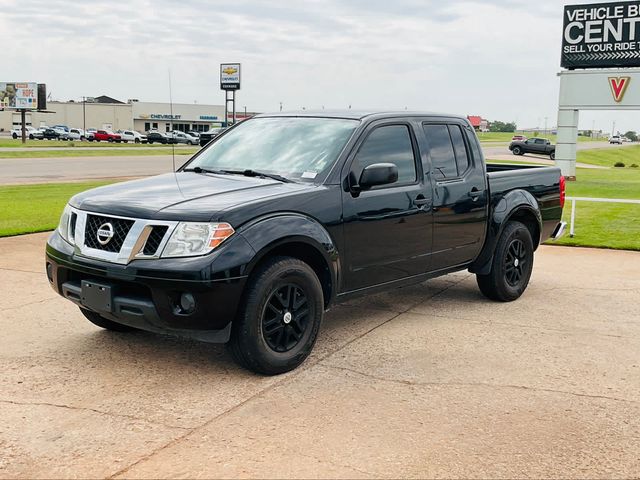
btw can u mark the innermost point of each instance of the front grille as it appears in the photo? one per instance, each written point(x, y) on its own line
point(121, 228)
point(155, 239)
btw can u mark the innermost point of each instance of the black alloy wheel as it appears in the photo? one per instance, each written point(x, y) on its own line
point(285, 318)
point(515, 262)
point(511, 266)
point(279, 317)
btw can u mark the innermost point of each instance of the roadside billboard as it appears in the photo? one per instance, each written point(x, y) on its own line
point(601, 35)
point(230, 76)
point(16, 95)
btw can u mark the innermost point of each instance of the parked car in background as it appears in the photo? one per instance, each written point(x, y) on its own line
point(132, 136)
point(77, 134)
point(541, 146)
point(206, 137)
point(181, 137)
point(90, 133)
point(616, 139)
point(62, 133)
point(518, 138)
point(30, 133)
point(61, 127)
point(155, 136)
point(50, 134)
point(106, 136)
point(193, 133)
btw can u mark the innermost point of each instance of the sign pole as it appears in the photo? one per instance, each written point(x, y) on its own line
point(234, 106)
point(23, 117)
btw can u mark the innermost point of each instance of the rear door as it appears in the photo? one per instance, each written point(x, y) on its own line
point(459, 193)
point(387, 230)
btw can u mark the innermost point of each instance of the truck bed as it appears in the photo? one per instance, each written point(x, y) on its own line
point(542, 182)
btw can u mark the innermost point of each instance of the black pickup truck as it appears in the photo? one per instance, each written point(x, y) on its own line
point(540, 146)
point(281, 216)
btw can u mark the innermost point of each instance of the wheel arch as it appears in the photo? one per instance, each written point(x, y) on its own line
point(517, 205)
point(311, 243)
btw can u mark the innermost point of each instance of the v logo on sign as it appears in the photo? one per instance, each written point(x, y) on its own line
point(619, 87)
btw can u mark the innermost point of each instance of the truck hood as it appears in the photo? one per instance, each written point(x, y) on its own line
point(185, 196)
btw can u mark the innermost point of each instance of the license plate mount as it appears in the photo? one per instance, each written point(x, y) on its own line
point(97, 296)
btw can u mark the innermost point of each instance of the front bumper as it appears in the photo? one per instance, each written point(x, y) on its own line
point(145, 294)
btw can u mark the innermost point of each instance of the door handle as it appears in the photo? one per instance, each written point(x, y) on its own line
point(475, 193)
point(421, 202)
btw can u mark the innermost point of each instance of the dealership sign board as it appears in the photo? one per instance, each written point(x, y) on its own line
point(230, 76)
point(16, 95)
point(601, 35)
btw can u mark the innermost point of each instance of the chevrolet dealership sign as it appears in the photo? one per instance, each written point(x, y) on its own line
point(230, 76)
point(602, 35)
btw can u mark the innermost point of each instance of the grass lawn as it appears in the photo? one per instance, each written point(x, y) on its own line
point(607, 225)
point(26, 153)
point(36, 208)
point(607, 157)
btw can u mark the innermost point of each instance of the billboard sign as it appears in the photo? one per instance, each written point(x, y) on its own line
point(230, 76)
point(15, 95)
point(601, 35)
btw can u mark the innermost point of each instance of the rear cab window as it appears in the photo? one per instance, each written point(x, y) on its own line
point(448, 150)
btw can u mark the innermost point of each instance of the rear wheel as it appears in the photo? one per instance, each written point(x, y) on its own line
point(105, 323)
point(277, 325)
point(511, 266)
point(553, 155)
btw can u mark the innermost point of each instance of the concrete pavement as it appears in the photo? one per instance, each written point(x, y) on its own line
point(428, 381)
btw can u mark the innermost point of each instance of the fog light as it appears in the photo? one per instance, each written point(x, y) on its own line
point(187, 303)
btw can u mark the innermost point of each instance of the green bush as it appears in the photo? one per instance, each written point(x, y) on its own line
point(633, 165)
point(619, 165)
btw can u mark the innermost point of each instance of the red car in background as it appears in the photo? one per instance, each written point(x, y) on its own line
point(106, 136)
point(518, 138)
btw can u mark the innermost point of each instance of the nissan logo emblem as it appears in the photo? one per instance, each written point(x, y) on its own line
point(104, 233)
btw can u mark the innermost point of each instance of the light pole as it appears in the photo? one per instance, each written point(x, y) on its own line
point(245, 112)
point(84, 115)
point(280, 106)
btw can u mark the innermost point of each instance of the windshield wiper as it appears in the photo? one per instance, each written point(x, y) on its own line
point(205, 170)
point(254, 173)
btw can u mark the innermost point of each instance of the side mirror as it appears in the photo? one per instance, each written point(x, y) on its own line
point(378, 174)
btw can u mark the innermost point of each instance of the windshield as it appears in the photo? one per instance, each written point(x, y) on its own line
point(293, 147)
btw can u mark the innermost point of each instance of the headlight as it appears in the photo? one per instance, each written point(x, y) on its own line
point(64, 225)
point(192, 239)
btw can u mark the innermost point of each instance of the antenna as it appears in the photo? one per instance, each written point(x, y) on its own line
point(173, 144)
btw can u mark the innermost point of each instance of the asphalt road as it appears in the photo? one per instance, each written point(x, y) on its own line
point(43, 170)
point(431, 381)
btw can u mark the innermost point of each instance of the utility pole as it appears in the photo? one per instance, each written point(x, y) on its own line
point(280, 106)
point(84, 115)
point(545, 125)
point(613, 129)
point(23, 117)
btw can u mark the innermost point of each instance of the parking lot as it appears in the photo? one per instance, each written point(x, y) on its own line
point(428, 381)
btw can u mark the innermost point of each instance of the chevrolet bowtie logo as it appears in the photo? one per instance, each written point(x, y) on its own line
point(230, 70)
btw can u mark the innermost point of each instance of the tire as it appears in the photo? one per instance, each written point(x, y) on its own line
point(102, 322)
point(517, 151)
point(511, 266)
point(273, 332)
point(137, 140)
point(552, 156)
point(31, 137)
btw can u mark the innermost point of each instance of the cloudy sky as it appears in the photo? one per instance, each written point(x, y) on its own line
point(496, 58)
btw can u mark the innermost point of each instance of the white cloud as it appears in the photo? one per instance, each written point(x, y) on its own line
point(497, 58)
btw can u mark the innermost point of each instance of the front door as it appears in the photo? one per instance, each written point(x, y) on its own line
point(459, 194)
point(387, 229)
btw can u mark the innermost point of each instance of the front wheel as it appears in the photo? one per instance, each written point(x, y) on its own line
point(105, 323)
point(517, 151)
point(277, 325)
point(511, 266)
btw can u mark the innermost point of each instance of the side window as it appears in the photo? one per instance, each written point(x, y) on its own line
point(388, 144)
point(441, 151)
point(475, 149)
point(462, 159)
